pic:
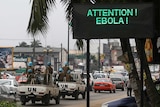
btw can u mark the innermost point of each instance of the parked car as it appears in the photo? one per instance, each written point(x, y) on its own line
point(104, 84)
point(124, 102)
point(118, 79)
point(11, 84)
point(91, 80)
point(9, 75)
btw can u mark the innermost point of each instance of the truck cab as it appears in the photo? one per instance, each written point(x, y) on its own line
point(74, 87)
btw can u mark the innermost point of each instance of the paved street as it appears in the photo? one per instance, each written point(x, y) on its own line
point(96, 99)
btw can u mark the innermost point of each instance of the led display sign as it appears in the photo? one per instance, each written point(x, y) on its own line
point(112, 21)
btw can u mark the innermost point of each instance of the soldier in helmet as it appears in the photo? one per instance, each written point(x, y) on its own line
point(50, 69)
point(67, 71)
point(49, 72)
point(30, 72)
point(66, 68)
point(60, 74)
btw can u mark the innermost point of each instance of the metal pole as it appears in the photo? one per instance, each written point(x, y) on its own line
point(68, 44)
point(141, 73)
point(33, 51)
point(88, 69)
point(61, 55)
point(99, 64)
point(47, 54)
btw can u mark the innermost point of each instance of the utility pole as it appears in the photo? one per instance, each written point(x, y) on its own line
point(33, 51)
point(68, 44)
point(99, 62)
point(61, 55)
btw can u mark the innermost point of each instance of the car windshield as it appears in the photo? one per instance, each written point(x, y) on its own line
point(98, 76)
point(5, 82)
point(102, 80)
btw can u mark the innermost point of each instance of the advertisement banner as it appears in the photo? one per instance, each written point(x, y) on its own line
point(6, 58)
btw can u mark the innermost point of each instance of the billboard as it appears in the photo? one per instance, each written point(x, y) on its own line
point(101, 21)
point(6, 58)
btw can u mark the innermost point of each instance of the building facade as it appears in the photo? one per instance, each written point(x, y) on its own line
point(41, 55)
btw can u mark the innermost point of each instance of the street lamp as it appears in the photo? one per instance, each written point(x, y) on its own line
point(47, 50)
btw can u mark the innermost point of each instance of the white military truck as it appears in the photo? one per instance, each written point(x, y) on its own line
point(74, 87)
point(39, 89)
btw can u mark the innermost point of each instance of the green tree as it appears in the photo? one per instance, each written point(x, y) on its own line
point(23, 44)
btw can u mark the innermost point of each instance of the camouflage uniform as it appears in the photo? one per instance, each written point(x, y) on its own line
point(30, 75)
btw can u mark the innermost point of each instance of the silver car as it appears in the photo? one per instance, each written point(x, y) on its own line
point(10, 84)
point(118, 79)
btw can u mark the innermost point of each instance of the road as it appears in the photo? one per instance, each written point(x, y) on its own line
point(96, 100)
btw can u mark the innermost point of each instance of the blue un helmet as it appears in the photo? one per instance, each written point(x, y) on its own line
point(60, 69)
point(30, 64)
point(49, 63)
point(66, 63)
point(29, 70)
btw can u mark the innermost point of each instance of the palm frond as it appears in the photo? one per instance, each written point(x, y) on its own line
point(39, 20)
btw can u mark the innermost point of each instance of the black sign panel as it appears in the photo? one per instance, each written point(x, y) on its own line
point(101, 21)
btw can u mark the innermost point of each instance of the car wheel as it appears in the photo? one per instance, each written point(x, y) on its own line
point(114, 91)
point(95, 91)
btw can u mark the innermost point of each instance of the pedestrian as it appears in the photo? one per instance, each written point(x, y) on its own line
point(129, 88)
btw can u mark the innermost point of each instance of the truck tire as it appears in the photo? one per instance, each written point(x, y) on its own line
point(83, 95)
point(33, 101)
point(46, 99)
point(57, 99)
point(76, 94)
point(63, 96)
point(23, 100)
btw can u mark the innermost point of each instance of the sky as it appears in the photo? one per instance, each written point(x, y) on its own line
point(14, 18)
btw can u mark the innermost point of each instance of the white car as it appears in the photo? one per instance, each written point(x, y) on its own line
point(10, 84)
point(91, 80)
point(9, 76)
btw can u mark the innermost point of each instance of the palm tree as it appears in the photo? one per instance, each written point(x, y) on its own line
point(38, 23)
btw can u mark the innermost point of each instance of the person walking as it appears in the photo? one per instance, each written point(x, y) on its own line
point(129, 88)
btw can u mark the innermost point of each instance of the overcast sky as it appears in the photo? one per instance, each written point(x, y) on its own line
point(14, 18)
